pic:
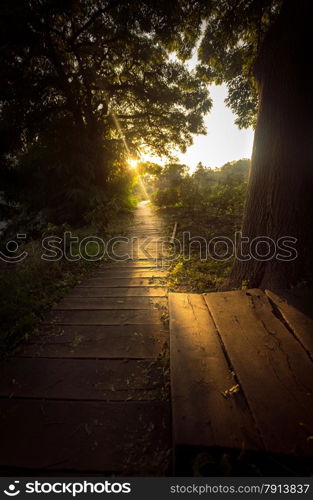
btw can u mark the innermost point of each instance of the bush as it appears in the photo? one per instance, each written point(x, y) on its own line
point(221, 191)
point(30, 287)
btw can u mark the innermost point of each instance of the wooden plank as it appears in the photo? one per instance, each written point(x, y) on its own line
point(145, 231)
point(99, 291)
point(137, 241)
point(108, 317)
point(130, 264)
point(47, 426)
point(153, 223)
point(129, 342)
point(140, 245)
point(202, 415)
point(83, 379)
point(152, 256)
point(141, 248)
point(122, 282)
point(130, 273)
point(126, 438)
point(298, 321)
point(274, 371)
point(119, 303)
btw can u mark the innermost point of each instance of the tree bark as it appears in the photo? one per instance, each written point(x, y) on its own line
point(280, 191)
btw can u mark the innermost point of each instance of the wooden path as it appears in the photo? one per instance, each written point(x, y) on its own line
point(89, 393)
point(242, 373)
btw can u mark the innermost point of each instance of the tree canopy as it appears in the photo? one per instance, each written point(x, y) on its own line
point(84, 83)
point(215, 191)
point(262, 50)
point(229, 49)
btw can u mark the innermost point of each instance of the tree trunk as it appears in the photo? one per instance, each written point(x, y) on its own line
point(280, 192)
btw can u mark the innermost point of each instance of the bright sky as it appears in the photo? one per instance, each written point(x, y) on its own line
point(224, 140)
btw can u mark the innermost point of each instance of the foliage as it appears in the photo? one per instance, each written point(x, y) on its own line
point(85, 83)
point(144, 176)
point(196, 276)
point(205, 204)
point(29, 288)
point(190, 270)
point(219, 191)
point(225, 199)
point(230, 46)
point(169, 184)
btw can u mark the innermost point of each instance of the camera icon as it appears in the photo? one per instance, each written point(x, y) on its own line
point(12, 490)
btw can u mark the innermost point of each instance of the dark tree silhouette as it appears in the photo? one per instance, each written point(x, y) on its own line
point(263, 51)
point(68, 69)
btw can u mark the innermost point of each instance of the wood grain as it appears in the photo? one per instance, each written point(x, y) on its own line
point(200, 374)
point(85, 436)
point(110, 303)
point(80, 379)
point(300, 323)
point(135, 291)
point(274, 371)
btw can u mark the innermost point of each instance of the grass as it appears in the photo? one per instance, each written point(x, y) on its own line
point(196, 276)
point(28, 289)
point(188, 272)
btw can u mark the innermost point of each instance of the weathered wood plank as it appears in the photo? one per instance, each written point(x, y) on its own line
point(129, 273)
point(141, 246)
point(128, 341)
point(274, 371)
point(202, 415)
point(105, 317)
point(119, 303)
point(85, 436)
point(145, 231)
point(149, 256)
point(136, 241)
point(122, 282)
point(83, 379)
point(298, 321)
point(99, 291)
point(130, 264)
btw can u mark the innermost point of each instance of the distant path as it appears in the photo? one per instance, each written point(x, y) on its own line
point(88, 394)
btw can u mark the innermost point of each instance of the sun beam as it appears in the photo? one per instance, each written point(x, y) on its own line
point(132, 163)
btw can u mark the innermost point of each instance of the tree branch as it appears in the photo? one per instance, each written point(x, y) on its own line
point(94, 17)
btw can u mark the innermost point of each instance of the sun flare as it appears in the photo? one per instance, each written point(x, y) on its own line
point(132, 162)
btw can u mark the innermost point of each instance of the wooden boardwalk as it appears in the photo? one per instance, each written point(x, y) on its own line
point(242, 373)
point(89, 393)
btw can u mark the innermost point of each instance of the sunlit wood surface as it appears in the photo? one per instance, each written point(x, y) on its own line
point(88, 393)
point(241, 372)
